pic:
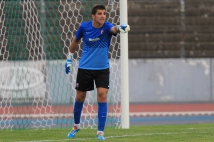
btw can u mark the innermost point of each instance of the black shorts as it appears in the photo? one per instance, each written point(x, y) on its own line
point(85, 79)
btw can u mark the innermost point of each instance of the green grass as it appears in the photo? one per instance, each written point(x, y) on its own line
point(156, 133)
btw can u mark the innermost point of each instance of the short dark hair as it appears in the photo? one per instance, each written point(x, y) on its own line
point(96, 7)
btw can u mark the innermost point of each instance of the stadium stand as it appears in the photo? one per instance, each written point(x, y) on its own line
point(171, 29)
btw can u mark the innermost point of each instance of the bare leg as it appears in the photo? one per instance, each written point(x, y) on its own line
point(80, 96)
point(102, 95)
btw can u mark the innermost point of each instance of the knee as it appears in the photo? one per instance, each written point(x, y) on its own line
point(102, 96)
point(80, 96)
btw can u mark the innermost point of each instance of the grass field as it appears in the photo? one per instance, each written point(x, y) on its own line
point(155, 133)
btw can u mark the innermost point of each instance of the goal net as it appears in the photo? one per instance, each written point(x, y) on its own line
point(35, 36)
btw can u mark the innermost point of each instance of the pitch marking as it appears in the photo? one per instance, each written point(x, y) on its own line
point(109, 137)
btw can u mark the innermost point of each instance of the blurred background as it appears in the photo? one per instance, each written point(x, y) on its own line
point(171, 66)
point(171, 50)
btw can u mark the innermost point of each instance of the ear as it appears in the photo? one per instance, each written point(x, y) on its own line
point(92, 16)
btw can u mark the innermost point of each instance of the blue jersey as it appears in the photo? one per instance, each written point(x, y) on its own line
point(96, 42)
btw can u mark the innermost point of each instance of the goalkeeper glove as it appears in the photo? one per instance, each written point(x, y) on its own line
point(68, 63)
point(123, 28)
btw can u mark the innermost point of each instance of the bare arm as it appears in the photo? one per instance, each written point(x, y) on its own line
point(68, 64)
point(114, 30)
point(74, 44)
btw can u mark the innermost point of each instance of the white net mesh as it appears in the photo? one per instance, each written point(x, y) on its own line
point(35, 38)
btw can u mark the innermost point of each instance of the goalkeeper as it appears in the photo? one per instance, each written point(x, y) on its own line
point(93, 65)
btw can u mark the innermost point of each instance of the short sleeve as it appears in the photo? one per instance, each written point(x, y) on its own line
point(109, 26)
point(79, 33)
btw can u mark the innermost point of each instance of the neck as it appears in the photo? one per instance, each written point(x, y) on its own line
point(96, 25)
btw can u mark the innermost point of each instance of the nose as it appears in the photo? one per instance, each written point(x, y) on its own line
point(103, 15)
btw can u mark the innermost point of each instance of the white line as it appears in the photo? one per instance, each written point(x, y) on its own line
point(111, 137)
point(132, 114)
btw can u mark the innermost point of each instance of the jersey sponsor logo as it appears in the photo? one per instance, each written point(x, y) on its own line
point(94, 39)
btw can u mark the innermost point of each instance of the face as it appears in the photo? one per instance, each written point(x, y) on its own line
point(99, 17)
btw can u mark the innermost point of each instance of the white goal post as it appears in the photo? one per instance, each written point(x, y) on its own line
point(124, 67)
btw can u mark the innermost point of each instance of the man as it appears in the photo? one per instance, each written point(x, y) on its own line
point(93, 65)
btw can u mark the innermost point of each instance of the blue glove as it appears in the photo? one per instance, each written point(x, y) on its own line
point(123, 28)
point(68, 63)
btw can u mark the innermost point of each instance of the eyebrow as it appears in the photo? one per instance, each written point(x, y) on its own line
point(101, 12)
